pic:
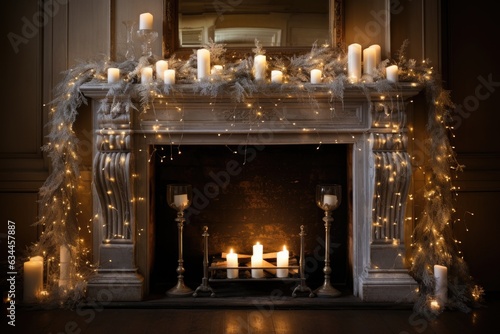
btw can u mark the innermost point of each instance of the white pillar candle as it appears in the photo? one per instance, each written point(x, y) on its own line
point(259, 67)
point(282, 261)
point(181, 201)
point(161, 67)
point(256, 260)
point(203, 63)
point(330, 200)
point(33, 278)
point(146, 21)
point(232, 261)
point(392, 73)
point(369, 61)
point(169, 77)
point(354, 62)
point(441, 288)
point(216, 69)
point(113, 75)
point(276, 76)
point(64, 263)
point(146, 75)
point(315, 76)
point(378, 53)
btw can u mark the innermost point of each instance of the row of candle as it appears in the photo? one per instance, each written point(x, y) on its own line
point(257, 262)
point(367, 59)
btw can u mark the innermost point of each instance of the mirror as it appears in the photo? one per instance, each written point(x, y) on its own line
point(282, 27)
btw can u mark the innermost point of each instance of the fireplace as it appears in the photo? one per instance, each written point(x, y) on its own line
point(130, 219)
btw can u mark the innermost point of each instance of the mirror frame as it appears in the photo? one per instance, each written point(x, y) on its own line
point(171, 43)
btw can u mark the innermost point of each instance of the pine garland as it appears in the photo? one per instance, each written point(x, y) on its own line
point(433, 241)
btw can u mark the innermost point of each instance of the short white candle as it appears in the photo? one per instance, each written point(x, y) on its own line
point(113, 75)
point(258, 249)
point(354, 62)
point(282, 261)
point(203, 63)
point(64, 263)
point(392, 73)
point(276, 76)
point(146, 21)
point(330, 200)
point(256, 260)
point(161, 67)
point(315, 76)
point(216, 69)
point(181, 201)
point(378, 53)
point(146, 75)
point(441, 288)
point(369, 61)
point(259, 67)
point(232, 261)
point(169, 77)
point(33, 279)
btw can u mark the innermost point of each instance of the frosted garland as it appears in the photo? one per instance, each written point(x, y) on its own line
point(58, 198)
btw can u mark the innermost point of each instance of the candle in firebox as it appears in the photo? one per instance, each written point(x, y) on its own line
point(256, 260)
point(232, 261)
point(282, 261)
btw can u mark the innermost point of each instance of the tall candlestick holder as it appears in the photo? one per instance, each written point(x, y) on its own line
point(179, 198)
point(328, 197)
point(146, 37)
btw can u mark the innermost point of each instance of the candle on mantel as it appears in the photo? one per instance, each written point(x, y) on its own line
point(354, 62)
point(113, 75)
point(369, 61)
point(276, 76)
point(232, 261)
point(259, 67)
point(146, 21)
point(216, 69)
point(256, 260)
point(161, 67)
point(392, 73)
point(282, 261)
point(441, 288)
point(315, 76)
point(378, 53)
point(33, 278)
point(203, 63)
point(330, 200)
point(169, 77)
point(146, 75)
point(64, 263)
point(181, 201)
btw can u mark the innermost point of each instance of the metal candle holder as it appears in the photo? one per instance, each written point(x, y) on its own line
point(328, 198)
point(179, 198)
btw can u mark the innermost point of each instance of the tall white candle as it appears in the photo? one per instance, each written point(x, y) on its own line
point(64, 263)
point(369, 61)
point(276, 76)
point(441, 288)
point(181, 200)
point(392, 73)
point(146, 21)
point(282, 261)
point(33, 278)
point(259, 67)
point(315, 76)
point(232, 261)
point(161, 67)
point(378, 53)
point(169, 77)
point(113, 75)
point(146, 75)
point(256, 260)
point(354, 62)
point(330, 200)
point(203, 63)
point(216, 69)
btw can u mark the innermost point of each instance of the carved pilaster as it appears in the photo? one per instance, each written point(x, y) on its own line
point(113, 185)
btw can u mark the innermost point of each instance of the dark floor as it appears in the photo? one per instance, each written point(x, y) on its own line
point(282, 314)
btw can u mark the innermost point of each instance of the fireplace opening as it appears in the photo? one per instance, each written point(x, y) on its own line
point(247, 194)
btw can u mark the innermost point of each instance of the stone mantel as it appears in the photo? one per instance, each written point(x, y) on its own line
point(372, 122)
